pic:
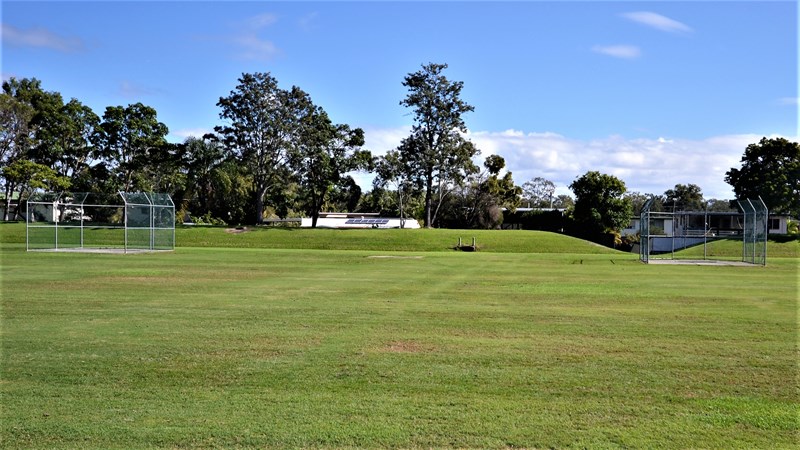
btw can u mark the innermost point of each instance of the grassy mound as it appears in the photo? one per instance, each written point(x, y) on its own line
point(777, 247)
point(499, 241)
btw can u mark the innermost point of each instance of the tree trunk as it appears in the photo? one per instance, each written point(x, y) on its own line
point(8, 205)
point(400, 199)
point(439, 202)
point(9, 192)
point(316, 205)
point(314, 213)
point(428, 201)
point(260, 205)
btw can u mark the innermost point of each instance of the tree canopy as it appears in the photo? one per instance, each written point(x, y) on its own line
point(491, 193)
point(262, 121)
point(436, 153)
point(43, 142)
point(277, 153)
point(684, 197)
point(390, 169)
point(770, 169)
point(600, 205)
point(539, 192)
point(133, 143)
point(322, 153)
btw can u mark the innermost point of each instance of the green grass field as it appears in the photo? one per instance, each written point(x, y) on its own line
point(537, 341)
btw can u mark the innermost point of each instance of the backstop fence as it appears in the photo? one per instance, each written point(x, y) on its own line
point(142, 221)
point(756, 228)
point(662, 234)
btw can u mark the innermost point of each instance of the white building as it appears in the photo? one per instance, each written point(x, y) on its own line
point(358, 220)
point(719, 224)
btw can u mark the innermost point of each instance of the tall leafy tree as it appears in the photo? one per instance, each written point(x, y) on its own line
point(564, 201)
point(600, 205)
point(684, 197)
point(26, 176)
point(16, 130)
point(637, 200)
point(29, 116)
point(29, 175)
point(539, 192)
point(488, 193)
point(16, 136)
point(345, 195)
point(770, 169)
point(436, 153)
point(49, 121)
point(203, 158)
point(70, 140)
point(232, 193)
point(391, 170)
point(133, 144)
point(41, 105)
point(263, 121)
point(717, 205)
point(321, 156)
point(39, 127)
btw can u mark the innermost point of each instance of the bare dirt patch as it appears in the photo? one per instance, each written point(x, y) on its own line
point(237, 230)
point(109, 250)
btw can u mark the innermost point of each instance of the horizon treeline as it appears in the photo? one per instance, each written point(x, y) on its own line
point(276, 154)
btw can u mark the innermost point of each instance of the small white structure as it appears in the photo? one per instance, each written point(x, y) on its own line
point(778, 224)
point(719, 224)
point(662, 224)
point(358, 220)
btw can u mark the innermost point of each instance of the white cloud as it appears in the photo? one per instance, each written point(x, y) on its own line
point(41, 38)
point(645, 165)
point(657, 21)
point(618, 51)
point(254, 48)
point(790, 101)
point(381, 140)
point(182, 134)
point(307, 22)
point(130, 89)
point(260, 21)
point(248, 40)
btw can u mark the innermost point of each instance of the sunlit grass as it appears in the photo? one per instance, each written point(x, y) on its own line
point(212, 347)
point(777, 247)
point(505, 241)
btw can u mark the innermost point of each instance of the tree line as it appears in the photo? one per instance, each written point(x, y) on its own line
point(278, 154)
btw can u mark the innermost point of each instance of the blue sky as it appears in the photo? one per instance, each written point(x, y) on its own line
point(657, 93)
